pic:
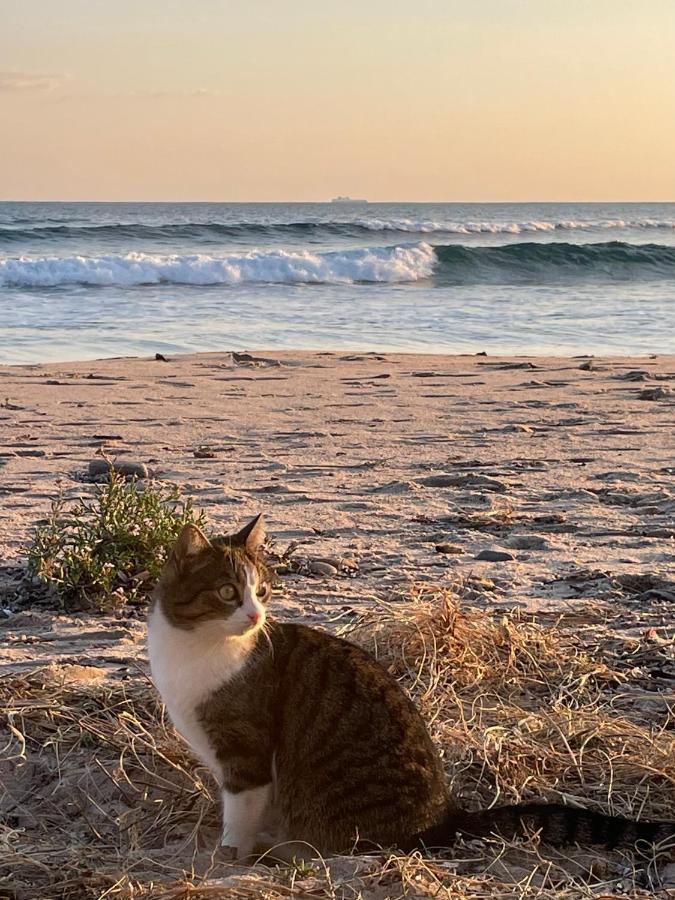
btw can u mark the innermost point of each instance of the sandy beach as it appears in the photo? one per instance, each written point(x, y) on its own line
point(374, 463)
point(541, 484)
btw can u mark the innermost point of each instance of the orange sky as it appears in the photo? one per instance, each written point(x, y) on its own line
point(306, 99)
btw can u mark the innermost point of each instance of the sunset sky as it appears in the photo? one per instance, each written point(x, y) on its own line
point(305, 99)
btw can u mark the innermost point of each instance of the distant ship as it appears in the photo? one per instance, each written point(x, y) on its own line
point(347, 200)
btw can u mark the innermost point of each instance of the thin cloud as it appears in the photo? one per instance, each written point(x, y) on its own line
point(35, 82)
point(173, 94)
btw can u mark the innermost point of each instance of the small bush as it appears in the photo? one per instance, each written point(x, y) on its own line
point(109, 550)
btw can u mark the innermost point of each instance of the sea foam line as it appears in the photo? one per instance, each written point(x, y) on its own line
point(10, 234)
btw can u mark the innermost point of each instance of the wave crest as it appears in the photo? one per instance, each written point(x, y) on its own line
point(387, 265)
point(215, 231)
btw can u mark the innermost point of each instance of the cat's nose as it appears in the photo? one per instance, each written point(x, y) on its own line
point(254, 616)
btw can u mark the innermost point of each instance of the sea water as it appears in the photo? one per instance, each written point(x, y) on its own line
point(86, 280)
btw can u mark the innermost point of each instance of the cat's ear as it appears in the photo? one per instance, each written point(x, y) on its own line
point(191, 542)
point(251, 536)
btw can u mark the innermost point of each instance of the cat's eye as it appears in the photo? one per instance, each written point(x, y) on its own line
point(227, 592)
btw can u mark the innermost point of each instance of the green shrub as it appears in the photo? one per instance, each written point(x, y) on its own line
point(109, 550)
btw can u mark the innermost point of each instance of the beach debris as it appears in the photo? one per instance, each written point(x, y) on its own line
point(7, 404)
point(203, 453)
point(159, 357)
point(495, 556)
point(29, 453)
point(655, 393)
point(519, 427)
point(475, 481)
point(635, 375)
point(454, 549)
point(243, 359)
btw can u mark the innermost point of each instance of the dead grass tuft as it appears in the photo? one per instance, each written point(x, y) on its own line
point(522, 711)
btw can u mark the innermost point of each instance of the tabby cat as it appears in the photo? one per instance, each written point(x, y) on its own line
point(296, 720)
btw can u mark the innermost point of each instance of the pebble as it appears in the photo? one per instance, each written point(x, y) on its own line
point(203, 453)
point(322, 568)
point(448, 548)
point(128, 469)
point(528, 542)
point(656, 393)
point(495, 555)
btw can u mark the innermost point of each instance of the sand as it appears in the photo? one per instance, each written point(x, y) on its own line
point(379, 472)
point(372, 463)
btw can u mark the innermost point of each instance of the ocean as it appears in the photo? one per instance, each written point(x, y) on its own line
point(87, 280)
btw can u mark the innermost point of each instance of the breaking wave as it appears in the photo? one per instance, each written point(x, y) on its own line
point(520, 263)
point(388, 265)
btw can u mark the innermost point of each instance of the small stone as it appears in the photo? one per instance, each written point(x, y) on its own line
point(322, 568)
point(495, 556)
point(655, 393)
point(449, 548)
point(587, 366)
point(528, 542)
point(99, 467)
point(203, 453)
point(159, 357)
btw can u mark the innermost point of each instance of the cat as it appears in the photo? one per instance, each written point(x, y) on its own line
point(294, 719)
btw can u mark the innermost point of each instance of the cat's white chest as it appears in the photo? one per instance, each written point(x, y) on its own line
point(187, 667)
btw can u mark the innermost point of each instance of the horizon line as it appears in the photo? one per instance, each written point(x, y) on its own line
point(357, 202)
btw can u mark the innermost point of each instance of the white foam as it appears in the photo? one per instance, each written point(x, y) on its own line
point(389, 265)
point(429, 226)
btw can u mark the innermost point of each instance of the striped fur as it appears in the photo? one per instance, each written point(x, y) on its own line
point(315, 723)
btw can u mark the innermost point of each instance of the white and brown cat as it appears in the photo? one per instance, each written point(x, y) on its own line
point(293, 718)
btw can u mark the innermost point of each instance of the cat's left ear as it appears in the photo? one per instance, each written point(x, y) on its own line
point(251, 536)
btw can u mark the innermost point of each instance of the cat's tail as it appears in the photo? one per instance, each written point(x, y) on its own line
point(555, 823)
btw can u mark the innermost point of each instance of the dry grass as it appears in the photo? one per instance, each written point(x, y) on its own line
point(522, 711)
point(101, 800)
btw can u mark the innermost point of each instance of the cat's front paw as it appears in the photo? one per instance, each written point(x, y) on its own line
point(228, 853)
point(241, 851)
